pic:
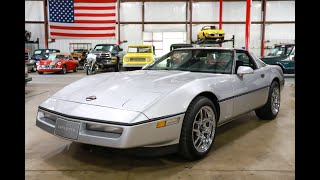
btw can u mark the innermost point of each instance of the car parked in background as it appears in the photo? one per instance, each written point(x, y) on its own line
point(138, 56)
point(27, 57)
point(108, 56)
point(176, 46)
point(27, 78)
point(177, 102)
point(41, 54)
point(282, 55)
point(58, 62)
point(210, 32)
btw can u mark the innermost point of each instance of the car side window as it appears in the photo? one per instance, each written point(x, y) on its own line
point(246, 59)
point(116, 48)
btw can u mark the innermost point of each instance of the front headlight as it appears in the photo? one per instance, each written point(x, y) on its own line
point(148, 59)
point(59, 63)
point(127, 59)
point(104, 128)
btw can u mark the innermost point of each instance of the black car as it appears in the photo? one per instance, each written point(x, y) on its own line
point(283, 56)
point(176, 46)
point(43, 53)
point(108, 55)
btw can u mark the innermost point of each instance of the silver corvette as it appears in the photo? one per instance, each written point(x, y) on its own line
point(178, 101)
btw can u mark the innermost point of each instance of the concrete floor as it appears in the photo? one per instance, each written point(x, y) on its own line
point(246, 148)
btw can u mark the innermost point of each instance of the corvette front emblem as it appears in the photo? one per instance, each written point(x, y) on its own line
point(90, 98)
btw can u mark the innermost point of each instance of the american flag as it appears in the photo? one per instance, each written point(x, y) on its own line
point(82, 18)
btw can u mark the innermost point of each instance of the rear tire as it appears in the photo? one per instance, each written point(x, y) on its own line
point(75, 69)
point(40, 72)
point(271, 109)
point(198, 129)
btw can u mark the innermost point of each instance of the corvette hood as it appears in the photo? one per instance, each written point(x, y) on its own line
point(132, 90)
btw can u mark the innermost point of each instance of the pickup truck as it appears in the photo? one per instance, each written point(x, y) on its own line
point(283, 56)
point(108, 56)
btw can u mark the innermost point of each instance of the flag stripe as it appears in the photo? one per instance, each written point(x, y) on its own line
point(82, 31)
point(76, 18)
point(82, 18)
point(95, 15)
point(94, 12)
point(83, 28)
point(95, 8)
point(82, 25)
point(93, 4)
point(95, 22)
point(95, 1)
point(83, 35)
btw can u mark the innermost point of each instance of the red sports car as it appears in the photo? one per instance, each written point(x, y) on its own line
point(58, 62)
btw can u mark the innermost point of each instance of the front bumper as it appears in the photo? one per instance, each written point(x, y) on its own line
point(106, 61)
point(144, 134)
point(134, 65)
point(214, 36)
point(49, 69)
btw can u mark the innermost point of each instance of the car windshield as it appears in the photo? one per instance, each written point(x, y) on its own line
point(196, 60)
point(139, 50)
point(55, 56)
point(276, 51)
point(37, 52)
point(103, 48)
point(209, 27)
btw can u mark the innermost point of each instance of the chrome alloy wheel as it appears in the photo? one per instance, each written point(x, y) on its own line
point(275, 100)
point(203, 129)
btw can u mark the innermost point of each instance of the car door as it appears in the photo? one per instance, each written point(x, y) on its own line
point(250, 90)
point(68, 63)
point(73, 63)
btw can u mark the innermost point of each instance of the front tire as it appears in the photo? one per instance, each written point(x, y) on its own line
point(271, 109)
point(64, 70)
point(34, 68)
point(75, 69)
point(117, 66)
point(198, 129)
point(40, 72)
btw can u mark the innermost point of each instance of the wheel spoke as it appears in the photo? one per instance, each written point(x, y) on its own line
point(203, 129)
point(200, 143)
point(195, 142)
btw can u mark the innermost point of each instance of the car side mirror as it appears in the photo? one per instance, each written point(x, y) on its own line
point(242, 70)
point(120, 49)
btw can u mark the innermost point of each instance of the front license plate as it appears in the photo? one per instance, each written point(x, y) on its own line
point(67, 129)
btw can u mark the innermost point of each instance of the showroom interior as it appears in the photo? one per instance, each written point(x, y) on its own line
point(104, 98)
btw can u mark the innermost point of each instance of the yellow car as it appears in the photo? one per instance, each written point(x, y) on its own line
point(138, 56)
point(210, 32)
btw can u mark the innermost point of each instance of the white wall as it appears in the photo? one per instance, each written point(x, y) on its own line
point(159, 11)
point(176, 11)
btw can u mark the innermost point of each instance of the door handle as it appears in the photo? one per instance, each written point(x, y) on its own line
point(262, 75)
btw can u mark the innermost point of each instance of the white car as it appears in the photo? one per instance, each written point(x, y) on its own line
point(178, 101)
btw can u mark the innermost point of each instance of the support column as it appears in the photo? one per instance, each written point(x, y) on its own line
point(248, 23)
point(263, 26)
point(46, 33)
point(118, 22)
point(220, 15)
point(191, 1)
point(142, 15)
